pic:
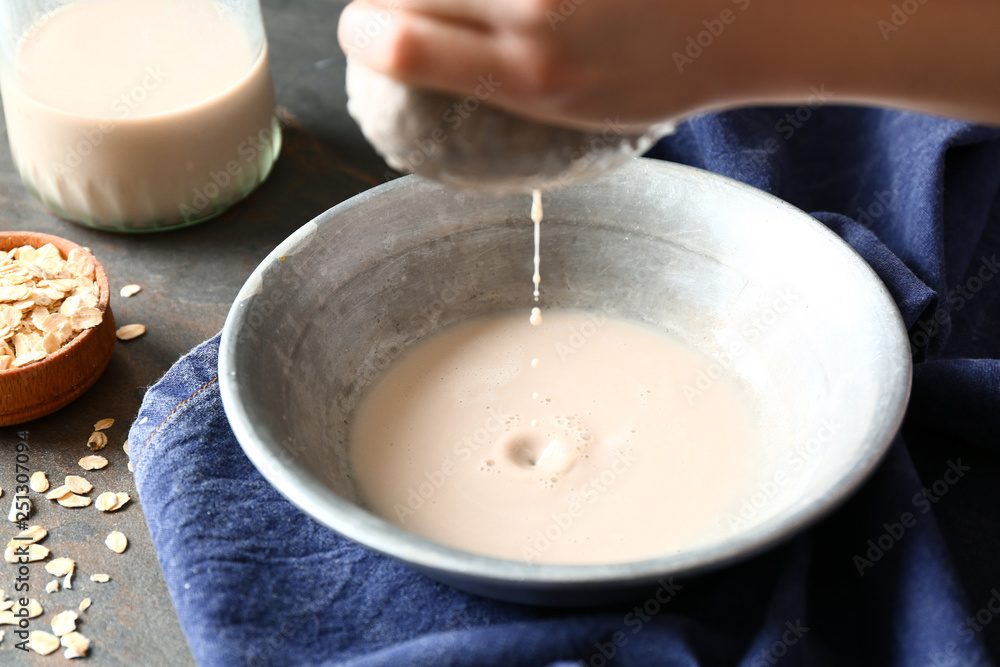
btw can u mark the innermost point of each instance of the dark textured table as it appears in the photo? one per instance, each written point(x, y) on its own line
point(189, 279)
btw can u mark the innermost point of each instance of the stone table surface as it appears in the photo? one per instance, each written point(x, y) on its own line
point(189, 279)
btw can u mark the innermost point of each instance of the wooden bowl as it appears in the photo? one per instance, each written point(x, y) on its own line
point(43, 387)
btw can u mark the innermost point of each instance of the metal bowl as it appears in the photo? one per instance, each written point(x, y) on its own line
point(822, 356)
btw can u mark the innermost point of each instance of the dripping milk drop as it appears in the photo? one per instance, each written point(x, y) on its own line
point(536, 217)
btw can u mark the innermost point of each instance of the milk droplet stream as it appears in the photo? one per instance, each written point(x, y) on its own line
point(536, 217)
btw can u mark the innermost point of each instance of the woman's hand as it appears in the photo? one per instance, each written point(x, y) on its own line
point(583, 62)
point(573, 62)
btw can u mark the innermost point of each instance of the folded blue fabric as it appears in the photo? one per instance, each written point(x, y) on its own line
point(905, 573)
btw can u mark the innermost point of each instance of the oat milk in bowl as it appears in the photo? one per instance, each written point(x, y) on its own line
point(138, 116)
point(551, 440)
point(581, 440)
point(730, 273)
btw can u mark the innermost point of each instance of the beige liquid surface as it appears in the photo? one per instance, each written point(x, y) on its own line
point(567, 442)
point(150, 114)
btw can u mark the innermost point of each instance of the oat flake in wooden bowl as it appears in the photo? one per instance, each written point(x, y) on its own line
point(57, 332)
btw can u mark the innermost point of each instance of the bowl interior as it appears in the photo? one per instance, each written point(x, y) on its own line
point(765, 292)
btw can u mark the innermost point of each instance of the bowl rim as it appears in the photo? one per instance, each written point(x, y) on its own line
point(372, 532)
point(100, 277)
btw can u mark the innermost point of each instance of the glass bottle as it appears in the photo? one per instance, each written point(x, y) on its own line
point(138, 115)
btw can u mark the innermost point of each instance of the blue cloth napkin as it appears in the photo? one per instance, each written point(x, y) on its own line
point(905, 573)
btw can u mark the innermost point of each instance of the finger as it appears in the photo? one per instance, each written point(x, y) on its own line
point(453, 57)
point(484, 13)
point(417, 49)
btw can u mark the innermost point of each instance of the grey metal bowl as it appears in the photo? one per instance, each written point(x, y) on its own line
point(823, 354)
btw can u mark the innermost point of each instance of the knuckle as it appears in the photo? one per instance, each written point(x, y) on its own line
point(538, 10)
point(543, 75)
point(403, 52)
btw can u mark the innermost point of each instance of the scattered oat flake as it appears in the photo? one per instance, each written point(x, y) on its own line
point(130, 331)
point(130, 290)
point(58, 492)
point(100, 578)
point(20, 508)
point(84, 604)
point(74, 501)
point(97, 441)
point(31, 534)
point(122, 499)
point(60, 566)
point(39, 482)
point(64, 623)
point(25, 553)
point(103, 424)
point(93, 462)
point(126, 447)
point(116, 541)
point(68, 580)
point(42, 642)
point(32, 610)
point(76, 645)
point(7, 618)
point(78, 484)
point(37, 552)
point(107, 501)
point(52, 586)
